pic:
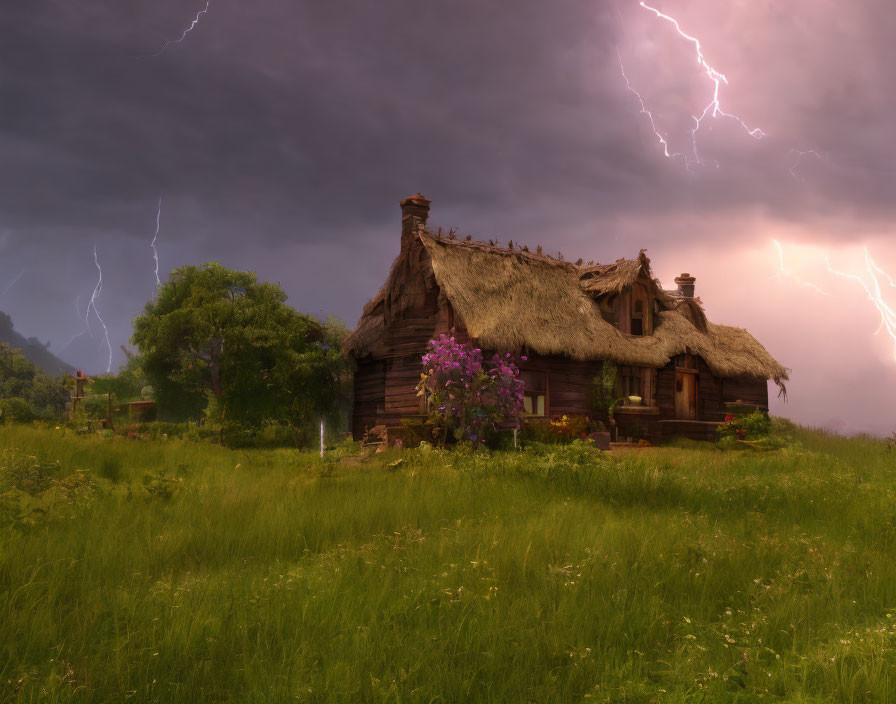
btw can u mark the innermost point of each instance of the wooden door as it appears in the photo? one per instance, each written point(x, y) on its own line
point(685, 395)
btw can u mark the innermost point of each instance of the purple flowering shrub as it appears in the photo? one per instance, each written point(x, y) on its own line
point(469, 397)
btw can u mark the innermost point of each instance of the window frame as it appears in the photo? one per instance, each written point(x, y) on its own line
point(533, 397)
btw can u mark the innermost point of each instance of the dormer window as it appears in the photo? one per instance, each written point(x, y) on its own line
point(639, 317)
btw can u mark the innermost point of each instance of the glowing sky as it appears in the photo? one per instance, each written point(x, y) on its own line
point(283, 133)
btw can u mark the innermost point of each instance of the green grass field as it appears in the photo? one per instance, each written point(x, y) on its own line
point(678, 574)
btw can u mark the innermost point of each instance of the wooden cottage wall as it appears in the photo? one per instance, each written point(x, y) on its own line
point(568, 383)
point(664, 397)
point(748, 390)
point(709, 394)
point(369, 395)
point(712, 392)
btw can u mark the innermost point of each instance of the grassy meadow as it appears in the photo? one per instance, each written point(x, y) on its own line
point(170, 571)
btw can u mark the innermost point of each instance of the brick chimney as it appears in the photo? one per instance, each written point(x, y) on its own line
point(414, 213)
point(685, 284)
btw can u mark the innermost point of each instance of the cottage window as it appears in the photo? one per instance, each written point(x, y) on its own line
point(534, 392)
point(630, 381)
point(640, 311)
point(686, 361)
point(638, 318)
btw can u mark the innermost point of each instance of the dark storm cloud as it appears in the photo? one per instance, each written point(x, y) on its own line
point(290, 117)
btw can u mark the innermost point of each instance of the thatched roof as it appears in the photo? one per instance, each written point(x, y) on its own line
point(511, 299)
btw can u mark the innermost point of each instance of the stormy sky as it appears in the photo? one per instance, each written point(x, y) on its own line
point(283, 133)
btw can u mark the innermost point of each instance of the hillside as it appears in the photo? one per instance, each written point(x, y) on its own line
point(172, 571)
point(33, 349)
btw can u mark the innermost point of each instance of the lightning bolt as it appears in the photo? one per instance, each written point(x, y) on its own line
point(155, 252)
point(97, 290)
point(91, 307)
point(714, 107)
point(784, 271)
point(799, 154)
point(186, 31)
point(875, 295)
point(12, 283)
point(645, 111)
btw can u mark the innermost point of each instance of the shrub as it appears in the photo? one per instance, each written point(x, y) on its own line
point(17, 410)
point(26, 473)
point(33, 490)
point(564, 429)
point(468, 398)
point(539, 431)
point(751, 426)
point(416, 431)
point(161, 486)
point(757, 425)
point(570, 428)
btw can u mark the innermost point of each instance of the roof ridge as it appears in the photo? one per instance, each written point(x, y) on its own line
point(450, 238)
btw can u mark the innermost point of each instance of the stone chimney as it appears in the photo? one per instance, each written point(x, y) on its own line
point(685, 284)
point(414, 213)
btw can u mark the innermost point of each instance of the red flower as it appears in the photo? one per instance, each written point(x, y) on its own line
point(584, 435)
point(728, 417)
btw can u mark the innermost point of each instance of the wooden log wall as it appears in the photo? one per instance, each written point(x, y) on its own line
point(710, 394)
point(665, 391)
point(568, 380)
point(747, 390)
point(369, 395)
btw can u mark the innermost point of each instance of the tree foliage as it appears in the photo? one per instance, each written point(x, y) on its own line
point(220, 338)
point(26, 393)
point(126, 385)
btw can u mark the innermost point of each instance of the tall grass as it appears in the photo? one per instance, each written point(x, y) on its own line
point(197, 574)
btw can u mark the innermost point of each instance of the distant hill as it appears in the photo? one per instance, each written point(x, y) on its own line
point(33, 349)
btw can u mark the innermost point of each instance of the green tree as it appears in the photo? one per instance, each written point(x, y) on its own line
point(125, 385)
point(217, 335)
point(25, 391)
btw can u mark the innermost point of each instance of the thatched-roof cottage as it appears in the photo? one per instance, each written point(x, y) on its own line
point(566, 318)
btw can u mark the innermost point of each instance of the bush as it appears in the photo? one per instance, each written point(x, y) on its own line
point(469, 398)
point(161, 486)
point(757, 425)
point(727, 442)
point(565, 429)
point(17, 410)
point(539, 431)
point(33, 490)
point(751, 426)
point(416, 431)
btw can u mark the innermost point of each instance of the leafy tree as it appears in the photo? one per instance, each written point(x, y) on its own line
point(217, 335)
point(126, 385)
point(26, 392)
